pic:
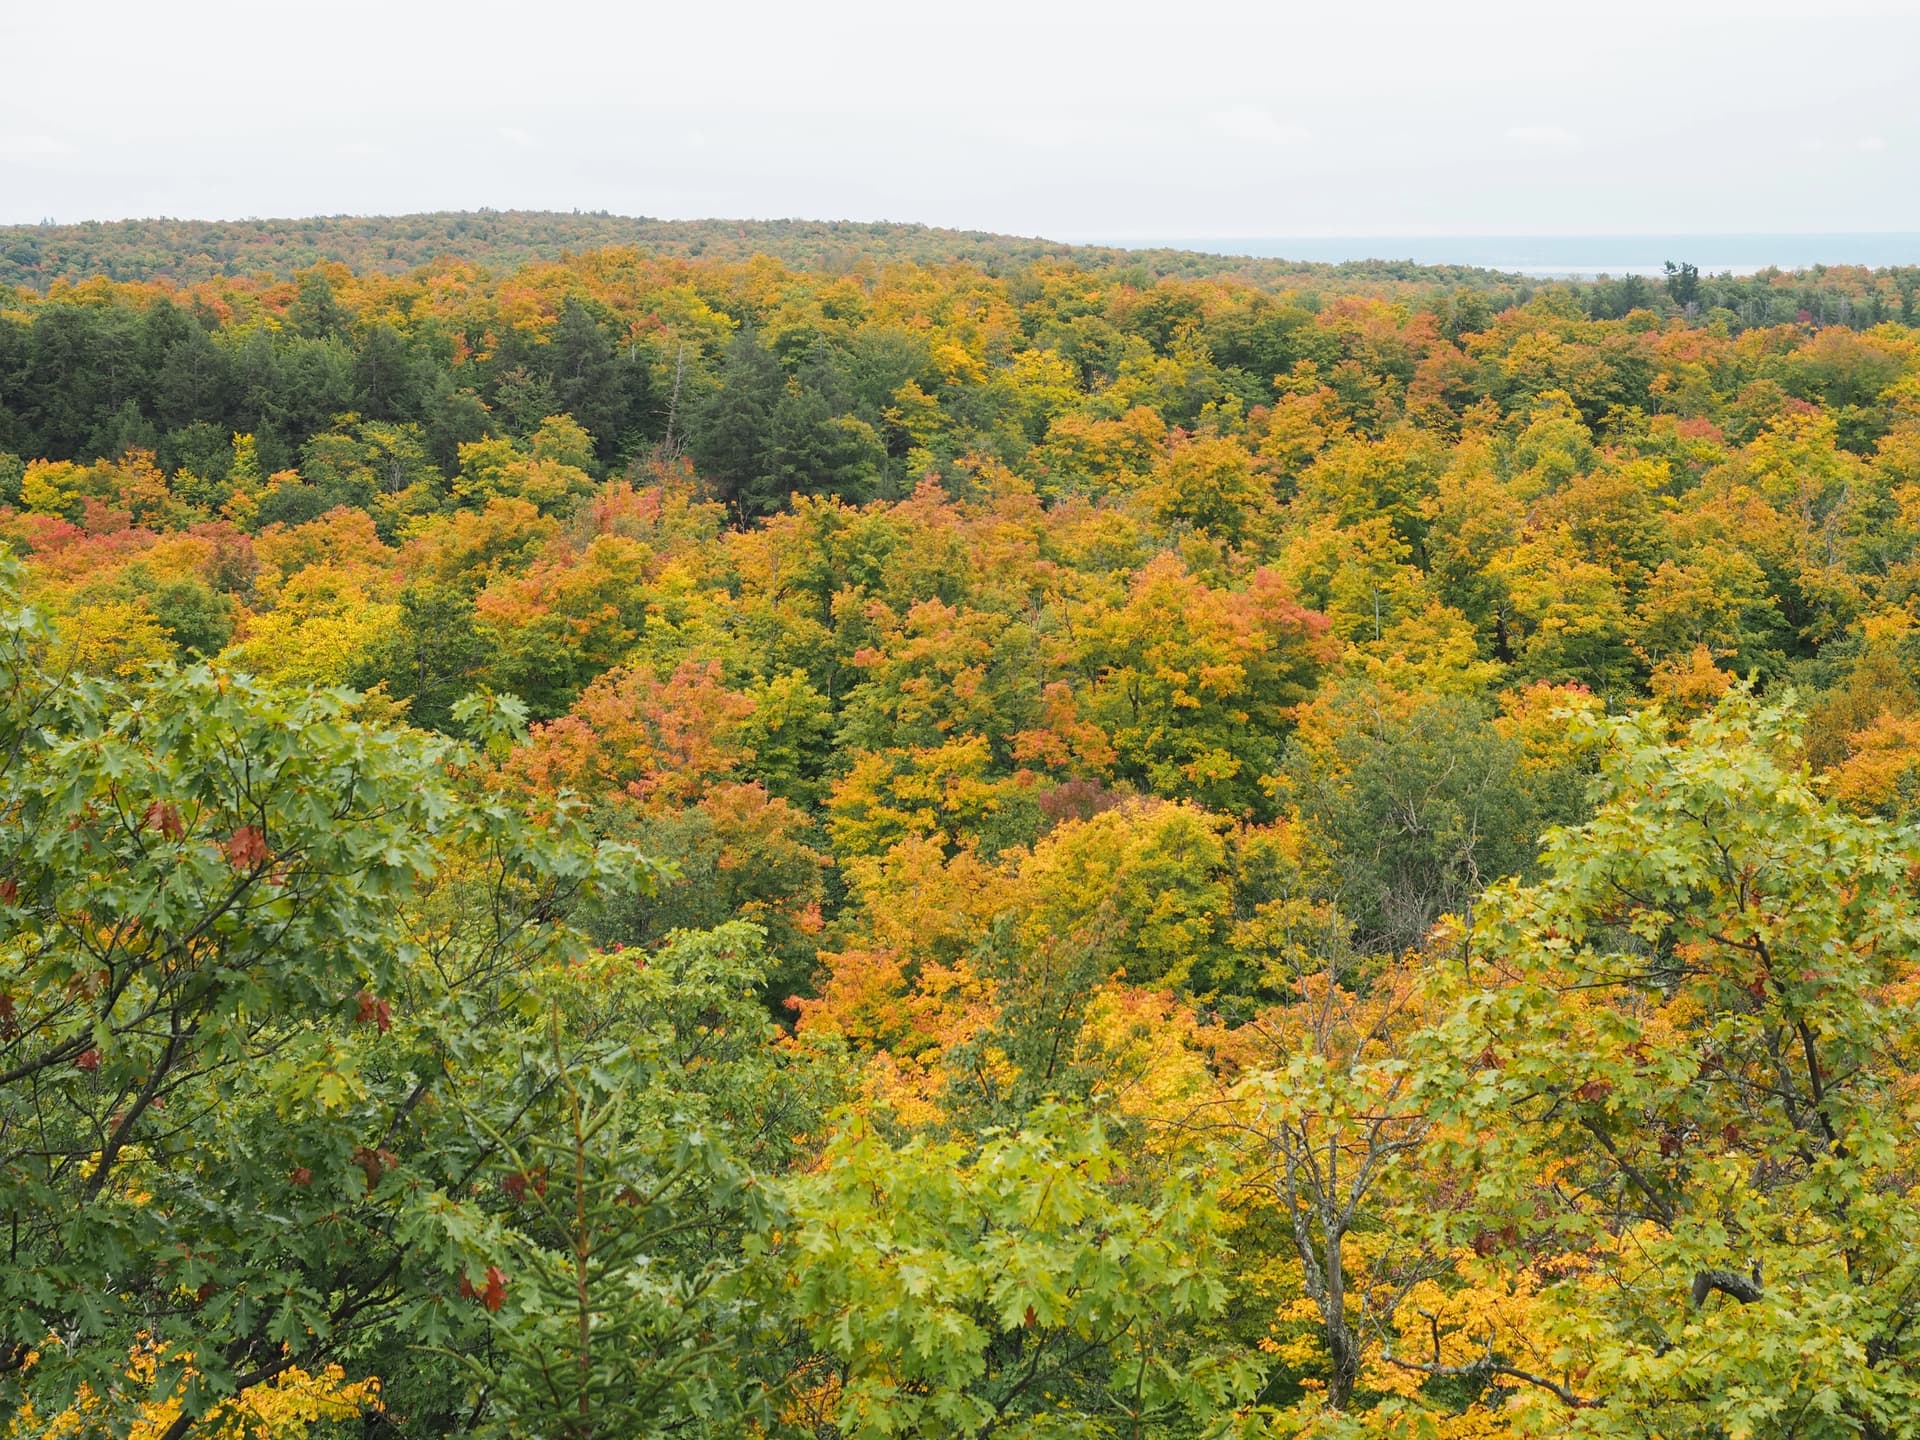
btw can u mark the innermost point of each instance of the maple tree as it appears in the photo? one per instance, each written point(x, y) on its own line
point(1013, 1290)
point(1673, 1085)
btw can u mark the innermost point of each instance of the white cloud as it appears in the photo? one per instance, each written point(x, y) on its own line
point(516, 137)
point(1075, 129)
point(1251, 123)
point(1557, 136)
point(1872, 142)
point(26, 147)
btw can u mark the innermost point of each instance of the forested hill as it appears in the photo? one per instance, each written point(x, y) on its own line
point(641, 846)
point(189, 252)
point(186, 251)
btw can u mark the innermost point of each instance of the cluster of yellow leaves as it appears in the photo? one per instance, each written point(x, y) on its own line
point(326, 619)
point(283, 1408)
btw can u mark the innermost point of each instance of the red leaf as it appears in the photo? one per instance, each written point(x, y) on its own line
point(247, 848)
point(1594, 1090)
point(9, 891)
point(372, 1008)
point(373, 1164)
point(496, 1291)
point(87, 1060)
point(301, 1175)
point(166, 819)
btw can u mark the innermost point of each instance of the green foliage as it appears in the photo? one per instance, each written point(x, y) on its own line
point(1020, 1290)
point(630, 1129)
point(1420, 807)
point(225, 1028)
point(1685, 1056)
point(200, 880)
point(1048, 701)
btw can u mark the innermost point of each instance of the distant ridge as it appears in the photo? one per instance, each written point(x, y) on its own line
point(189, 251)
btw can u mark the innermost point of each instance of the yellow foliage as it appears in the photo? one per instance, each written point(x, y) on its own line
point(1882, 772)
point(1148, 1050)
point(1690, 686)
point(283, 1408)
point(326, 620)
point(116, 637)
point(1545, 721)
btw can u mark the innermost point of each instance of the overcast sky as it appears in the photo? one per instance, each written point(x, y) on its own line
point(1084, 120)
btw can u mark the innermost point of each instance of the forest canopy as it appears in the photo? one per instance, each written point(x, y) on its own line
point(36, 256)
point(915, 836)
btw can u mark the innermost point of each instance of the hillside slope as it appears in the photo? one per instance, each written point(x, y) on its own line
point(187, 251)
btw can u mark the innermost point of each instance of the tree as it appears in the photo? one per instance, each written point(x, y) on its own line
point(1210, 483)
point(234, 984)
point(428, 657)
point(1018, 1290)
point(549, 471)
point(1420, 801)
point(816, 450)
point(1673, 1085)
point(1323, 1130)
point(732, 427)
point(1683, 283)
point(550, 632)
point(591, 383)
point(1196, 686)
point(630, 1126)
point(197, 880)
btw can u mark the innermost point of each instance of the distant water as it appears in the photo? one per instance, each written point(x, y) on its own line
point(1574, 255)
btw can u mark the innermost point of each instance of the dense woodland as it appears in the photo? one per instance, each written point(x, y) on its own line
point(188, 251)
point(647, 844)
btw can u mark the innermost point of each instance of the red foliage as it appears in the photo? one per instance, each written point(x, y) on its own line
point(492, 1295)
point(166, 819)
point(658, 740)
point(247, 848)
point(374, 1163)
point(371, 1008)
point(519, 1182)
